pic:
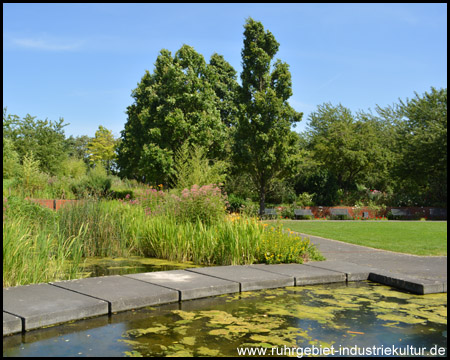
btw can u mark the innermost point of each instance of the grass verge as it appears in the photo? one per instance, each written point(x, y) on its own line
point(426, 238)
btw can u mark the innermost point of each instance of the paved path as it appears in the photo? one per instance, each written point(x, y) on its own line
point(33, 306)
point(421, 267)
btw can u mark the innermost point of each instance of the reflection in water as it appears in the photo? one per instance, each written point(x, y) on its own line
point(104, 266)
point(364, 314)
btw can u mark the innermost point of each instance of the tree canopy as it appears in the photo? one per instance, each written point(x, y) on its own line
point(42, 137)
point(184, 100)
point(264, 143)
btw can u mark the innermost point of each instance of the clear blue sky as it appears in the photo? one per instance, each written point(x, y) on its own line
point(81, 61)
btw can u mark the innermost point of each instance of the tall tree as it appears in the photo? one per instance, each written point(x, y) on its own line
point(265, 144)
point(348, 146)
point(174, 105)
point(77, 147)
point(102, 148)
point(422, 147)
point(42, 137)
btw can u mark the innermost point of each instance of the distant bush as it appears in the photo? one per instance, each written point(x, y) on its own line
point(235, 203)
point(121, 194)
point(95, 184)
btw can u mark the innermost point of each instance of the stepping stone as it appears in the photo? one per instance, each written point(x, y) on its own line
point(248, 277)
point(43, 304)
point(408, 283)
point(354, 272)
point(121, 293)
point(11, 324)
point(303, 274)
point(190, 285)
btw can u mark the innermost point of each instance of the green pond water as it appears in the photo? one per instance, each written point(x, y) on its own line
point(104, 266)
point(338, 317)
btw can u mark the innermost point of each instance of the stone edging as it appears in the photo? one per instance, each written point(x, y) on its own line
point(33, 306)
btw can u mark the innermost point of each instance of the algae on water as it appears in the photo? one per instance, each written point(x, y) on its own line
point(325, 315)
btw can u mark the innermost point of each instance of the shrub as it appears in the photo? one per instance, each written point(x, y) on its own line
point(280, 246)
point(32, 178)
point(73, 168)
point(235, 203)
point(121, 194)
point(95, 184)
point(305, 199)
point(205, 203)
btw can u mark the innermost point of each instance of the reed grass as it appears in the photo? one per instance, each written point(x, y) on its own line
point(51, 245)
point(32, 255)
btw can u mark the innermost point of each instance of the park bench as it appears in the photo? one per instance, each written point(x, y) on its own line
point(270, 212)
point(302, 212)
point(438, 213)
point(340, 213)
point(399, 213)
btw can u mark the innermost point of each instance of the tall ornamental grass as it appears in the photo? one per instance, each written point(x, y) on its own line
point(191, 225)
point(35, 255)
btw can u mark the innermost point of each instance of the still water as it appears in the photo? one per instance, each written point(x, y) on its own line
point(359, 315)
point(104, 266)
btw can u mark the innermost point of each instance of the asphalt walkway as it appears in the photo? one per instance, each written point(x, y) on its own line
point(420, 267)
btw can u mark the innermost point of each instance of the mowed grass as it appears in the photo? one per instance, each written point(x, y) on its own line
point(410, 237)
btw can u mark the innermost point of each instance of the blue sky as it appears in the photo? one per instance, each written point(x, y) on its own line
point(81, 61)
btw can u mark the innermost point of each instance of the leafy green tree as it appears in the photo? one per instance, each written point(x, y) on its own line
point(421, 168)
point(193, 168)
point(174, 105)
point(33, 178)
point(348, 146)
point(42, 137)
point(102, 148)
point(11, 164)
point(264, 143)
point(74, 168)
point(222, 77)
point(78, 147)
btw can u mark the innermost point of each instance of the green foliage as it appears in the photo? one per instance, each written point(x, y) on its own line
point(283, 247)
point(304, 199)
point(44, 138)
point(121, 194)
point(102, 148)
point(11, 164)
point(177, 104)
point(422, 147)
point(96, 184)
point(348, 147)
point(235, 203)
point(73, 167)
point(78, 147)
point(281, 192)
point(264, 143)
point(193, 168)
point(32, 178)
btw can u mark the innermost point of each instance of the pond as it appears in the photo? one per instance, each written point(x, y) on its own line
point(105, 266)
point(345, 318)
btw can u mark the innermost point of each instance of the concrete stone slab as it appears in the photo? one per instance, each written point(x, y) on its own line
point(121, 293)
point(354, 272)
point(190, 285)
point(43, 304)
point(404, 282)
point(248, 277)
point(11, 324)
point(304, 275)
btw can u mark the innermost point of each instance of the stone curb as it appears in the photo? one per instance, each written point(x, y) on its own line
point(32, 306)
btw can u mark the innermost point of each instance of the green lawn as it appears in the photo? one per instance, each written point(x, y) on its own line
point(410, 237)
